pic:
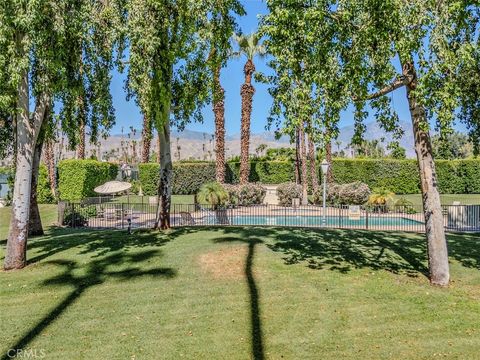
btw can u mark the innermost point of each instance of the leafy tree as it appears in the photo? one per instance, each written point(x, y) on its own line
point(396, 151)
point(250, 46)
point(167, 73)
point(453, 145)
point(306, 85)
point(431, 42)
point(38, 41)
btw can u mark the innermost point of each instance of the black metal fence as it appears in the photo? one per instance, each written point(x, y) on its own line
point(113, 215)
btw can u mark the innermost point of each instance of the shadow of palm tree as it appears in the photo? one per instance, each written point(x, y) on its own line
point(97, 272)
point(255, 318)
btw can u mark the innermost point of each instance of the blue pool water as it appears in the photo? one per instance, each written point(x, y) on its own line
point(316, 221)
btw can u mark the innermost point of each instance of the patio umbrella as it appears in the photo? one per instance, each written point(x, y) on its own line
point(112, 187)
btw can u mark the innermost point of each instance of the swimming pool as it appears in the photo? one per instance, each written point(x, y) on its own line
point(316, 221)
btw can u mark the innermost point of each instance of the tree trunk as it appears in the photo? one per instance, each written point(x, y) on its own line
point(159, 148)
point(164, 185)
point(81, 140)
point(219, 112)
point(303, 156)
point(297, 157)
point(246, 92)
point(313, 168)
point(35, 227)
point(146, 139)
point(50, 162)
point(26, 134)
point(436, 241)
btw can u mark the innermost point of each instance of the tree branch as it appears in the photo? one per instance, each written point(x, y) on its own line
point(398, 83)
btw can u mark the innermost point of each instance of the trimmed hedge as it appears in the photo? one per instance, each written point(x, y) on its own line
point(402, 177)
point(78, 178)
point(399, 176)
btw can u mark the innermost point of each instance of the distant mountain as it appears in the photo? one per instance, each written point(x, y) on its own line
point(375, 132)
point(201, 145)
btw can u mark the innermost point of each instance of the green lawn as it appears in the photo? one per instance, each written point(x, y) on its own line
point(446, 199)
point(240, 293)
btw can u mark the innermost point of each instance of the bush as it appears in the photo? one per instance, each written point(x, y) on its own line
point(286, 192)
point(212, 193)
point(189, 177)
point(245, 195)
point(265, 172)
point(355, 193)
point(44, 191)
point(78, 178)
point(78, 217)
point(149, 175)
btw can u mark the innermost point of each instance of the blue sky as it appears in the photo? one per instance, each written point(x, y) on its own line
point(128, 114)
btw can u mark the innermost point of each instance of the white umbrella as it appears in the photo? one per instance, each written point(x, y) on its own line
point(112, 187)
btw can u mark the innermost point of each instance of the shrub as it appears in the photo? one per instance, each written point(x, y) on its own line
point(286, 192)
point(78, 178)
point(44, 191)
point(381, 196)
point(149, 175)
point(245, 195)
point(78, 216)
point(189, 177)
point(332, 197)
point(212, 193)
point(356, 193)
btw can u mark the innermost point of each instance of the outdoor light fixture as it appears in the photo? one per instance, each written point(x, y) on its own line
point(325, 165)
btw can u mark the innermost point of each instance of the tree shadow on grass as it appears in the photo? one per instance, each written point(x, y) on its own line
point(96, 242)
point(255, 319)
point(96, 272)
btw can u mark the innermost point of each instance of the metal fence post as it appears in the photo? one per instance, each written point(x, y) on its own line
point(122, 216)
point(366, 218)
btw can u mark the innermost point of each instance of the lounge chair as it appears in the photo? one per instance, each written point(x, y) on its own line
point(186, 219)
point(221, 217)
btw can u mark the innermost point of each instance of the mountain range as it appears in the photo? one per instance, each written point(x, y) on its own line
point(189, 144)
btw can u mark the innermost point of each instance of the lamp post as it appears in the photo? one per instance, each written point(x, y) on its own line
point(324, 165)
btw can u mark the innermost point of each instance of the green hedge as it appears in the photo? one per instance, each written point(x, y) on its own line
point(78, 178)
point(399, 176)
point(402, 177)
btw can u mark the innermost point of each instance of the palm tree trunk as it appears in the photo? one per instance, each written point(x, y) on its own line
point(313, 167)
point(146, 139)
point(246, 92)
point(219, 112)
point(50, 162)
point(303, 157)
point(436, 241)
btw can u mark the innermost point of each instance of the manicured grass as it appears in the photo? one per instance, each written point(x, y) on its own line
point(240, 293)
point(48, 214)
point(446, 199)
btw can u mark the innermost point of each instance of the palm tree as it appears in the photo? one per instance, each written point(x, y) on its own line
point(249, 46)
point(146, 139)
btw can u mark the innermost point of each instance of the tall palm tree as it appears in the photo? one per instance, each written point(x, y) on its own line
point(146, 139)
point(249, 46)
